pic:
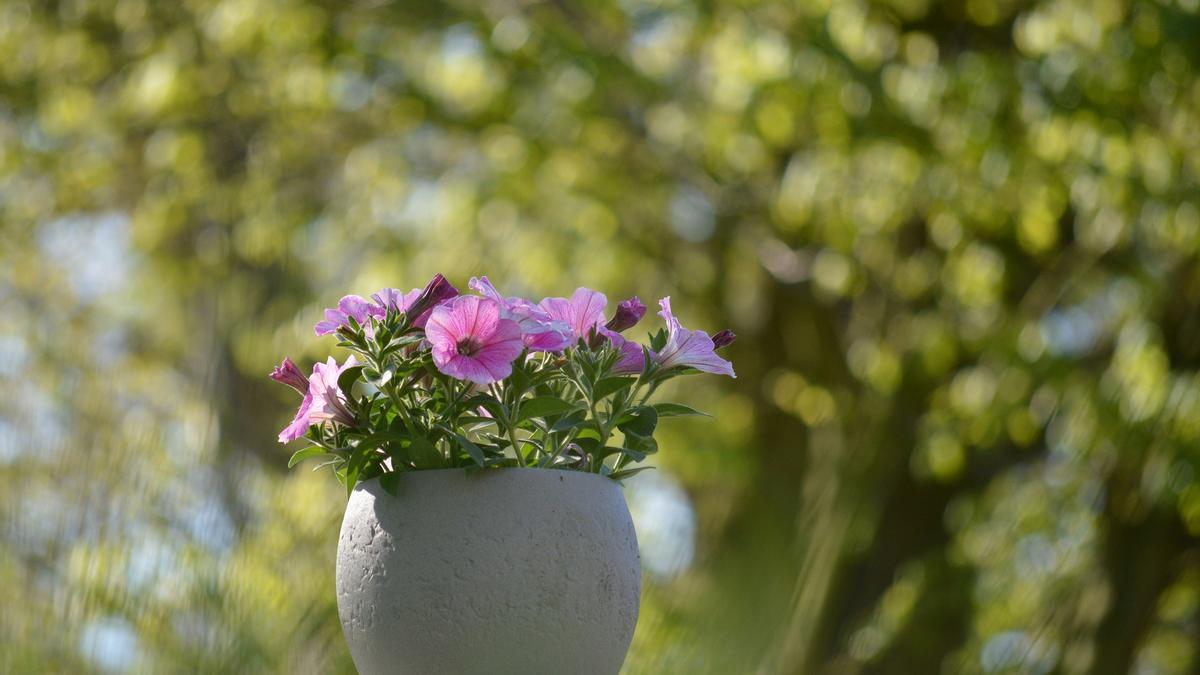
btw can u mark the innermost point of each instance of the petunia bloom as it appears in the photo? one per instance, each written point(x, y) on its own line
point(324, 401)
point(328, 400)
point(539, 331)
point(629, 312)
point(351, 306)
point(394, 298)
point(688, 348)
point(583, 313)
point(723, 338)
point(631, 359)
point(287, 373)
point(472, 341)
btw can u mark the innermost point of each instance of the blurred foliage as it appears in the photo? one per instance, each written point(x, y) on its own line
point(958, 241)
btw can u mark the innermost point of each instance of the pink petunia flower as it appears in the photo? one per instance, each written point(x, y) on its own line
point(394, 298)
point(688, 348)
point(418, 303)
point(323, 402)
point(539, 331)
point(354, 306)
point(631, 359)
point(583, 313)
point(472, 341)
point(328, 400)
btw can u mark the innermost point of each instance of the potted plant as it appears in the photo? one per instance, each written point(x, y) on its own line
point(481, 439)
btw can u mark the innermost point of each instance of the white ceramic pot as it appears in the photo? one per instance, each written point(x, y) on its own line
point(521, 571)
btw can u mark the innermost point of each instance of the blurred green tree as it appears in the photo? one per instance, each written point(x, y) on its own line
point(958, 241)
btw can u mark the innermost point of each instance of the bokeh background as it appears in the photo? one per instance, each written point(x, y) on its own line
point(958, 242)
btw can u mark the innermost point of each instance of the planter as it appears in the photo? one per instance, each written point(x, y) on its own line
point(521, 571)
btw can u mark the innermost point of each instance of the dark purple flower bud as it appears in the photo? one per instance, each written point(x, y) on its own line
point(437, 291)
point(628, 314)
point(723, 338)
point(573, 455)
point(287, 373)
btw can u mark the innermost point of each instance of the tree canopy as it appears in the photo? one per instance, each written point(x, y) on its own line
point(958, 242)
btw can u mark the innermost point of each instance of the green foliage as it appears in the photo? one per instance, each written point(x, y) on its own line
point(958, 242)
point(406, 415)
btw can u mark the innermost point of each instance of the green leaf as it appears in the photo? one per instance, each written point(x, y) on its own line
point(640, 421)
point(373, 469)
point(386, 376)
point(494, 407)
point(306, 453)
point(676, 410)
point(572, 420)
point(645, 445)
point(519, 379)
point(474, 419)
point(589, 372)
point(336, 462)
point(471, 449)
point(658, 340)
point(390, 481)
point(503, 461)
point(543, 406)
point(353, 467)
point(380, 438)
point(420, 453)
point(588, 444)
point(588, 434)
point(401, 342)
point(348, 377)
point(635, 455)
point(610, 385)
point(626, 473)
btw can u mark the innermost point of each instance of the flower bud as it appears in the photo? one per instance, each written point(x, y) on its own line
point(436, 291)
point(287, 373)
point(629, 312)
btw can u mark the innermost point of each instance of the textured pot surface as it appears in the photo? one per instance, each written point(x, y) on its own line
point(504, 571)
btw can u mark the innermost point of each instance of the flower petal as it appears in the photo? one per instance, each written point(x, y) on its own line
point(558, 309)
point(631, 359)
point(393, 298)
point(334, 319)
point(686, 348)
point(503, 346)
point(300, 423)
point(479, 319)
point(546, 337)
point(328, 401)
point(355, 306)
point(588, 309)
point(583, 312)
point(462, 367)
point(442, 330)
point(482, 286)
point(486, 317)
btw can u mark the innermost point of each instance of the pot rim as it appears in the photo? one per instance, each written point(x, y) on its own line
point(525, 470)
